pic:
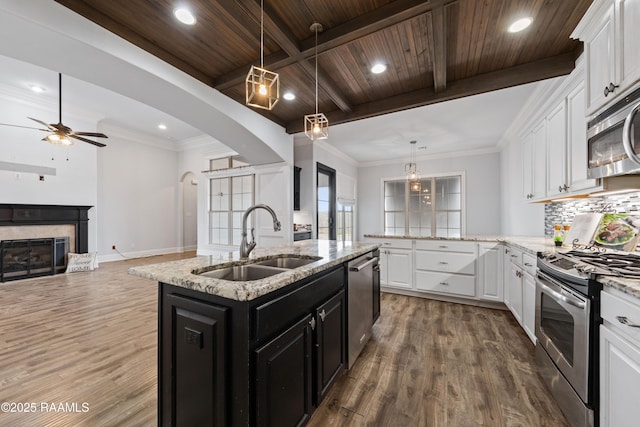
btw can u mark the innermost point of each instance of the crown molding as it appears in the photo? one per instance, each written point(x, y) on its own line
point(435, 156)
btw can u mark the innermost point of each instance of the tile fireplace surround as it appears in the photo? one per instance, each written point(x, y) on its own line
point(20, 221)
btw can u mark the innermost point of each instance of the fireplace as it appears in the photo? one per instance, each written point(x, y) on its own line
point(35, 239)
point(20, 259)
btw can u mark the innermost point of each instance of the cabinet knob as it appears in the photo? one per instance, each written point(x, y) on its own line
point(312, 322)
point(443, 283)
point(565, 187)
point(560, 188)
point(609, 89)
point(625, 321)
point(322, 315)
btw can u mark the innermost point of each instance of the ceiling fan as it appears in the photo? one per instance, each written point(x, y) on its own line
point(61, 134)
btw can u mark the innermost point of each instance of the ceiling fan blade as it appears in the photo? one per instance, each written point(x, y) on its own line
point(97, 144)
point(25, 127)
point(48, 126)
point(94, 134)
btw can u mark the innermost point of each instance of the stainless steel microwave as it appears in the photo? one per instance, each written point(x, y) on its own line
point(613, 139)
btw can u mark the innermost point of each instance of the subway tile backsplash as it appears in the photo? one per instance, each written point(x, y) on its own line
point(563, 212)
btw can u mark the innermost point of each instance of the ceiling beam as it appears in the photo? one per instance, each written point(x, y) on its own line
point(521, 74)
point(383, 17)
point(438, 47)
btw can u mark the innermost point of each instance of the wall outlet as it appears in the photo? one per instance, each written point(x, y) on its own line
point(113, 248)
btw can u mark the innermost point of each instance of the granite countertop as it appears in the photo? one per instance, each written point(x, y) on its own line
point(533, 245)
point(181, 272)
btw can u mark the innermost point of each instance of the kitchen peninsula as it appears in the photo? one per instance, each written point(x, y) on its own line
point(262, 346)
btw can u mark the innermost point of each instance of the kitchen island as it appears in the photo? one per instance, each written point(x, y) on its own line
point(252, 352)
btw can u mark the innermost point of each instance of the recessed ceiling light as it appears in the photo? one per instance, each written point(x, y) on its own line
point(520, 24)
point(289, 96)
point(36, 88)
point(378, 68)
point(184, 15)
point(162, 126)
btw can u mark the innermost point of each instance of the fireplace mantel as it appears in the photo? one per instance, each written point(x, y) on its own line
point(78, 216)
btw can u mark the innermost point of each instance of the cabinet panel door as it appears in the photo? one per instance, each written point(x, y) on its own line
point(490, 280)
point(506, 265)
point(556, 150)
point(515, 292)
point(527, 166)
point(447, 283)
point(539, 160)
point(577, 142)
point(193, 386)
point(600, 61)
point(619, 380)
point(452, 262)
point(629, 18)
point(284, 378)
point(529, 306)
point(399, 268)
point(330, 343)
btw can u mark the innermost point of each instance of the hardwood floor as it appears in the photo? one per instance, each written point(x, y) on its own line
point(432, 363)
point(91, 338)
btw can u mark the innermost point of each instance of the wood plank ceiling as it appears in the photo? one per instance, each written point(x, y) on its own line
point(435, 50)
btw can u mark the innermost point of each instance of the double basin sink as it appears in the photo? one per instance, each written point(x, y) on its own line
point(243, 272)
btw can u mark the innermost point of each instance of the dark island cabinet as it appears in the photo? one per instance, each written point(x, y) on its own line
point(284, 377)
point(330, 344)
point(265, 362)
point(193, 372)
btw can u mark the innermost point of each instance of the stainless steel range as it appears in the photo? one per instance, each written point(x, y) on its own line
point(567, 320)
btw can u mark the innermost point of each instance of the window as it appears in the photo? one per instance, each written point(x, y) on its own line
point(345, 221)
point(229, 198)
point(432, 208)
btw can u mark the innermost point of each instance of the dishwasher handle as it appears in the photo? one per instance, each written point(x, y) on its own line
point(364, 264)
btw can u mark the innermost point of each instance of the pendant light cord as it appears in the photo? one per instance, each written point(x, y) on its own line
point(261, 33)
point(316, 70)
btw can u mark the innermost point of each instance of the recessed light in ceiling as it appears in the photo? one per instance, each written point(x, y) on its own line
point(36, 88)
point(184, 15)
point(162, 126)
point(520, 24)
point(289, 96)
point(378, 68)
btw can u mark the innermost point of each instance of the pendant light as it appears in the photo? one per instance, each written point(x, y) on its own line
point(316, 126)
point(411, 170)
point(262, 86)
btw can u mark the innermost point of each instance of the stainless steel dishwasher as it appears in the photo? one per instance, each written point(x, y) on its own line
point(360, 304)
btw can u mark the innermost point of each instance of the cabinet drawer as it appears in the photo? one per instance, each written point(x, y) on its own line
point(515, 256)
point(450, 262)
point(446, 283)
point(617, 311)
point(529, 263)
point(446, 246)
point(277, 314)
point(394, 243)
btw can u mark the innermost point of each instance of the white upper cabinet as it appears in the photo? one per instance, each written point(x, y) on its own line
point(534, 163)
point(557, 151)
point(577, 153)
point(611, 39)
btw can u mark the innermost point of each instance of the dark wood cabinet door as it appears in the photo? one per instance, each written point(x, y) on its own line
point(284, 378)
point(330, 343)
point(192, 390)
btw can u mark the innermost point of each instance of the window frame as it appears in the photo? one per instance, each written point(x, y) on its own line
point(407, 212)
point(230, 211)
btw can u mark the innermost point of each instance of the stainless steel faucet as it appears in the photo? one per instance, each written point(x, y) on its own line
point(247, 247)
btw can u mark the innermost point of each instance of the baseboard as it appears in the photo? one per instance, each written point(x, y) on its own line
point(445, 298)
point(140, 254)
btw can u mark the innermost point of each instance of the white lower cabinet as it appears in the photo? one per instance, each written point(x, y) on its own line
point(529, 305)
point(520, 288)
point(515, 291)
point(396, 262)
point(490, 271)
point(619, 362)
point(446, 267)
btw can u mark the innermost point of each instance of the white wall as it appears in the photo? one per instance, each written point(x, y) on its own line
point(137, 196)
point(482, 188)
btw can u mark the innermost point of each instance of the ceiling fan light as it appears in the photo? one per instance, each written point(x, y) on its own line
point(57, 139)
point(184, 15)
point(520, 24)
point(262, 88)
point(316, 126)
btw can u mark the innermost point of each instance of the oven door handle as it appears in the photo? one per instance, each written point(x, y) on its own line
point(562, 297)
point(626, 135)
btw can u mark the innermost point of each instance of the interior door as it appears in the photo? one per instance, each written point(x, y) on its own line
point(326, 202)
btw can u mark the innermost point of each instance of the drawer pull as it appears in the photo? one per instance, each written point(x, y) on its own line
point(443, 246)
point(625, 321)
point(386, 243)
point(443, 263)
point(528, 264)
point(443, 283)
point(514, 256)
